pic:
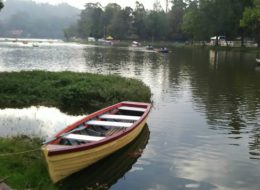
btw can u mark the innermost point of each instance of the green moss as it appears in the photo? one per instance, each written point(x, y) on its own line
point(70, 92)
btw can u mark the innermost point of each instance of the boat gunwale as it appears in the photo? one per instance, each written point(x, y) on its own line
point(77, 148)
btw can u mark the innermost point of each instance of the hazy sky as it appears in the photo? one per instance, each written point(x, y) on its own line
point(148, 4)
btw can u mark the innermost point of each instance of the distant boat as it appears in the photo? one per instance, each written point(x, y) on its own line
point(24, 44)
point(93, 138)
point(163, 50)
point(108, 42)
point(257, 60)
point(35, 44)
point(136, 44)
point(149, 47)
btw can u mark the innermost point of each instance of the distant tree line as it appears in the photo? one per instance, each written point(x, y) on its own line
point(186, 20)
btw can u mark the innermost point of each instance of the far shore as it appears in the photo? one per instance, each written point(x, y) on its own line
point(143, 43)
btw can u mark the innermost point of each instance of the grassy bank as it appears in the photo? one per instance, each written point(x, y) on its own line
point(70, 92)
point(23, 171)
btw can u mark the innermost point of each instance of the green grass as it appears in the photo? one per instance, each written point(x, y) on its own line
point(23, 171)
point(70, 92)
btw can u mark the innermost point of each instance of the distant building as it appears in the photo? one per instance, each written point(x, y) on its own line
point(91, 39)
point(250, 44)
point(234, 43)
point(221, 40)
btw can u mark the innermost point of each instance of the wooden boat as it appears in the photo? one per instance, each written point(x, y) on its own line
point(110, 169)
point(93, 138)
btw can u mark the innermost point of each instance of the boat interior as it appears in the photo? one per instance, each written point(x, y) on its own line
point(102, 126)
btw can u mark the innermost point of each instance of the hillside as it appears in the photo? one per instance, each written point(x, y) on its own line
point(25, 18)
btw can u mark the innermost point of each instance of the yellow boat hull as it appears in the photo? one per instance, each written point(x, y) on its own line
point(61, 166)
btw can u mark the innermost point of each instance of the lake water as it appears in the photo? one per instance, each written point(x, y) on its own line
point(203, 131)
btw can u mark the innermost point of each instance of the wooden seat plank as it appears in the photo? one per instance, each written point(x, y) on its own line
point(127, 108)
point(108, 123)
point(83, 137)
point(120, 117)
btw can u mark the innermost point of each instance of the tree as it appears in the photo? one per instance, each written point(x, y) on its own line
point(193, 22)
point(156, 25)
point(91, 21)
point(206, 18)
point(138, 20)
point(176, 19)
point(187, 19)
point(1, 5)
point(251, 21)
point(122, 23)
point(157, 7)
point(112, 11)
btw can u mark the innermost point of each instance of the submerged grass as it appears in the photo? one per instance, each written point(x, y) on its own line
point(70, 92)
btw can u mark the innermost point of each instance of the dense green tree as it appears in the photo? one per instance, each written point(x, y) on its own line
point(205, 18)
point(91, 21)
point(187, 19)
point(139, 20)
point(155, 25)
point(121, 23)
point(176, 19)
point(251, 21)
point(112, 11)
point(229, 13)
point(193, 22)
point(1, 5)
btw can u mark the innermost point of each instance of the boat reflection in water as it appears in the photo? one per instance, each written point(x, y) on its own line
point(106, 172)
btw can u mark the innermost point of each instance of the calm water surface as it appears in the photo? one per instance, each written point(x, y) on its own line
point(204, 129)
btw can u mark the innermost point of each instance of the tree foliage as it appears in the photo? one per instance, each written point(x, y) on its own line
point(251, 21)
point(1, 5)
point(186, 20)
